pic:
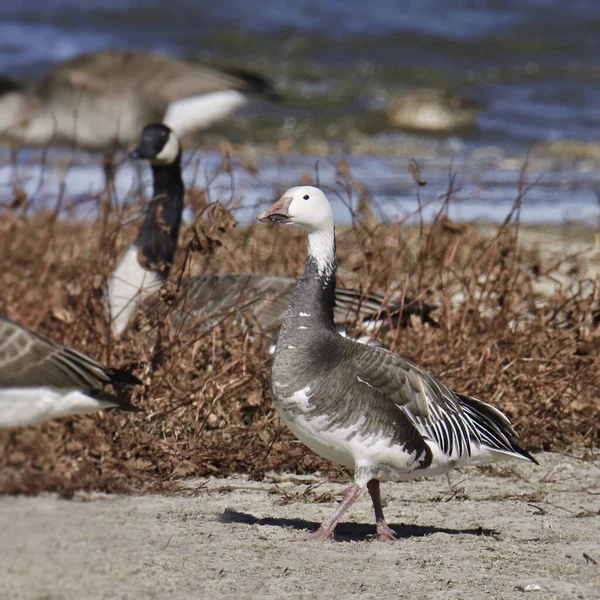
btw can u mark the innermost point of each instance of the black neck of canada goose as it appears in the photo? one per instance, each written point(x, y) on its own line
point(146, 264)
point(157, 240)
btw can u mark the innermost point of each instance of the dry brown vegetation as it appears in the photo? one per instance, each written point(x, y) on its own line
point(205, 399)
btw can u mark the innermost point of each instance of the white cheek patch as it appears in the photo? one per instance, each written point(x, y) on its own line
point(169, 152)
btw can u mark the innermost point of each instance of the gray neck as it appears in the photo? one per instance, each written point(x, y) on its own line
point(311, 309)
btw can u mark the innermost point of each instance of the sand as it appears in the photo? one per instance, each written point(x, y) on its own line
point(513, 531)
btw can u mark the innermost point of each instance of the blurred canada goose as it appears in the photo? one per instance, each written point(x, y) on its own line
point(266, 299)
point(147, 262)
point(364, 407)
point(41, 380)
point(102, 100)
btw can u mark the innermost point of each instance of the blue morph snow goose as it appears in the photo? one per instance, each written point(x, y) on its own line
point(361, 406)
point(146, 264)
point(41, 380)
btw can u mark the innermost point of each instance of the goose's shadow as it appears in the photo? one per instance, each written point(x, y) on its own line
point(350, 532)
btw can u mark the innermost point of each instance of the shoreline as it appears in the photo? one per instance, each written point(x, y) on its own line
point(485, 188)
point(495, 532)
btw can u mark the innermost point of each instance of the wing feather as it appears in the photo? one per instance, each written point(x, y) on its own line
point(434, 409)
point(353, 303)
point(455, 422)
point(158, 79)
point(30, 360)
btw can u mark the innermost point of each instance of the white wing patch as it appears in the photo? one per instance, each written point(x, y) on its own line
point(199, 112)
point(300, 398)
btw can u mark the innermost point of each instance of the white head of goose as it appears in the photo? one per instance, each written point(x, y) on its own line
point(41, 380)
point(361, 406)
point(147, 262)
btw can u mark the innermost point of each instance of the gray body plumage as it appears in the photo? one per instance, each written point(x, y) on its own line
point(369, 409)
point(361, 406)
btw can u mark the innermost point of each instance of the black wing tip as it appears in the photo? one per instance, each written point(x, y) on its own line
point(126, 406)
point(491, 422)
point(115, 401)
point(258, 84)
point(9, 85)
point(421, 310)
point(404, 310)
point(524, 453)
point(413, 306)
point(122, 378)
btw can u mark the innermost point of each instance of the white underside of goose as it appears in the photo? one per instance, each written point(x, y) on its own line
point(32, 405)
point(199, 112)
point(347, 446)
point(372, 456)
point(130, 285)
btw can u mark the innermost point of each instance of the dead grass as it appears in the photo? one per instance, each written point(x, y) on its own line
point(206, 402)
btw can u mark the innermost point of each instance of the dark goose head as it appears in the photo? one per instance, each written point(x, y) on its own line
point(157, 144)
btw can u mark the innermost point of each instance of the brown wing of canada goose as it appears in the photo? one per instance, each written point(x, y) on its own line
point(30, 360)
point(267, 297)
point(158, 79)
point(103, 100)
point(264, 297)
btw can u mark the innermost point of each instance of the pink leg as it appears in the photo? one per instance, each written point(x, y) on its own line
point(384, 532)
point(325, 531)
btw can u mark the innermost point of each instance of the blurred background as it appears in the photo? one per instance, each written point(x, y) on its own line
point(473, 86)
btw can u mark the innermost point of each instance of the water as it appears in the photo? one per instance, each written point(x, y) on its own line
point(532, 64)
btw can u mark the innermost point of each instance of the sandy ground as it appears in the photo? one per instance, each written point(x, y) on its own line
point(516, 532)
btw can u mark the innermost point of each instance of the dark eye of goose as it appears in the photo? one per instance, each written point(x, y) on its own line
point(306, 196)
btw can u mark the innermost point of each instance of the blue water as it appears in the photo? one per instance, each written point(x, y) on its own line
point(532, 63)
